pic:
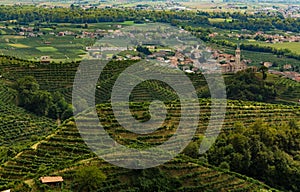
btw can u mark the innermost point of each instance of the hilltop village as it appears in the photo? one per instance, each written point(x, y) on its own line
point(226, 63)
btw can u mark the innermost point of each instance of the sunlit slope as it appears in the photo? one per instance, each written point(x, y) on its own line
point(18, 125)
point(65, 149)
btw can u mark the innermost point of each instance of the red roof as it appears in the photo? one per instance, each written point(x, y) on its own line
point(51, 179)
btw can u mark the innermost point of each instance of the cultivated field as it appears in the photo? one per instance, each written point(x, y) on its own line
point(292, 46)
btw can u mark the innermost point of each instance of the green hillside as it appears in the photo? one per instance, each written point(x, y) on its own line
point(33, 146)
point(61, 152)
point(18, 128)
point(60, 77)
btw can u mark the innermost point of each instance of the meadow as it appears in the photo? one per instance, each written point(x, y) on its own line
point(219, 20)
point(292, 46)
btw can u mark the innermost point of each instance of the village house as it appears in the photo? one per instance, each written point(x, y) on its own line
point(267, 64)
point(26, 29)
point(287, 66)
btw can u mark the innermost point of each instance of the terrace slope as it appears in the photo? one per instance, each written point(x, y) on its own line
point(63, 151)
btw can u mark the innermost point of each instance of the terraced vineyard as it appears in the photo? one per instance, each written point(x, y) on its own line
point(289, 89)
point(19, 130)
point(60, 77)
point(195, 176)
point(237, 111)
point(7, 95)
point(17, 125)
point(65, 149)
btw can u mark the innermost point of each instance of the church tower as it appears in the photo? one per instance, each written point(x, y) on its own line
point(238, 57)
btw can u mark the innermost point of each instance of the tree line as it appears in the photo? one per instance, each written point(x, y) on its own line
point(261, 21)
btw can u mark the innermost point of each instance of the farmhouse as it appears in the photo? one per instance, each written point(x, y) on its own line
point(54, 181)
point(45, 59)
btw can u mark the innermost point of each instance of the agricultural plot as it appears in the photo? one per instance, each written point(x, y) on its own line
point(289, 89)
point(65, 149)
point(46, 49)
point(292, 46)
point(18, 45)
point(59, 48)
point(60, 77)
point(7, 95)
point(20, 129)
point(65, 48)
point(219, 20)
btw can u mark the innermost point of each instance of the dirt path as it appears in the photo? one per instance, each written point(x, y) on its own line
point(35, 146)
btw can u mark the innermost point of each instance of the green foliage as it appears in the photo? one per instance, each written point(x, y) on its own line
point(143, 50)
point(247, 86)
point(263, 152)
point(192, 149)
point(41, 102)
point(153, 180)
point(224, 165)
point(88, 178)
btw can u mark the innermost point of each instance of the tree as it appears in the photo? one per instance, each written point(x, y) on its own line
point(263, 151)
point(26, 87)
point(144, 50)
point(31, 97)
point(264, 70)
point(58, 107)
point(89, 178)
point(192, 150)
point(245, 85)
point(153, 180)
point(41, 102)
point(224, 165)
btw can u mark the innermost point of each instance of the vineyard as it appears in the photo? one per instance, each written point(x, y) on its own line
point(287, 88)
point(33, 146)
point(19, 130)
point(17, 124)
point(64, 150)
point(60, 77)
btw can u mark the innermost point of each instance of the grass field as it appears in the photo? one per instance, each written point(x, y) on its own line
point(12, 37)
point(18, 45)
point(219, 20)
point(46, 49)
point(293, 46)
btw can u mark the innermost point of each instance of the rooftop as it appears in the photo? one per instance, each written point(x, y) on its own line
point(51, 179)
